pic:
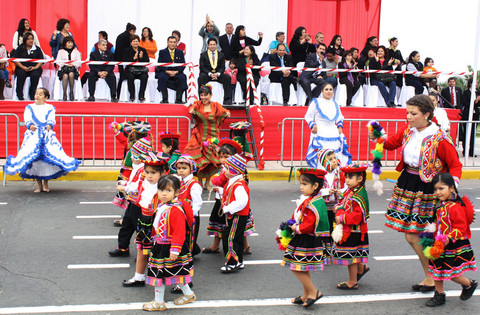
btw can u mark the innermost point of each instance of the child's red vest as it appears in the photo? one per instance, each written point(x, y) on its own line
point(229, 196)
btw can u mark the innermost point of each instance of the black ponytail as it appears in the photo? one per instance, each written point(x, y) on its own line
point(312, 179)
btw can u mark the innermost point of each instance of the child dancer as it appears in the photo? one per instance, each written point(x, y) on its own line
point(236, 206)
point(453, 217)
point(132, 213)
point(169, 143)
point(238, 132)
point(155, 166)
point(170, 259)
point(306, 251)
point(352, 213)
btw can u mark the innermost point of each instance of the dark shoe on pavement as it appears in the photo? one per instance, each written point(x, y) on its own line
point(119, 253)
point(133, 283)
point(437, 300)
point(164, 101)
point(21, 98)
point(114, 100)
point(179, 102)
point(91, 99)
point(467, 292)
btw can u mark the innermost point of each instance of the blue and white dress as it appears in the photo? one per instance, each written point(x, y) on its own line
point(41, 155)
point(326, 115)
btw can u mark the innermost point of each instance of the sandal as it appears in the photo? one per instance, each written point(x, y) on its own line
point(298, 300)
point(229, 268)
point(344, 286)
point(185, 299)
point(309, 302)
point(209, 250)
point(248, 251)
point(154, 306)
point(360, 275)
point(117, 223)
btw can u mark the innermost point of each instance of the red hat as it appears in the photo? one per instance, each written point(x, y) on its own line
point(314, 171)
point(231, 142)
point(169, 135)
point(354, 168)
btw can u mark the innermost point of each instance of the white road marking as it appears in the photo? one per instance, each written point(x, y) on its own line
point(204, 215)
point(262, 262)
point(389, 199)
point(254, 234)
point(95, 237)
point(475, 229)
point(3, 203)
point(97, 266)
point(375, 232)
point(209, 201)
point(403, 257)
point(99, 191)
point(336, 299)
point(377, 212)
point(95, 202)
point(107, 216)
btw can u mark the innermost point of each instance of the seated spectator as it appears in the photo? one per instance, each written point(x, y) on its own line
point(428, 65)
point(122, 42)
point(28, 69)
point(382, 80)
point(350, 79)
point(63, 25)
point(285, 77)
point(207, 31)
point(101, 71)
point(23, 27)
point(299, 45)
point(319, 38)
point(280, 39)
point(148, 42)
point(372, 42)
point(135, 53)
point(451, 94)
point(226, 41)
point(212, 68)
point(103, 35)
point(241, 40)
point(68, 73)
point(232, 72)
point(316, 77)
point(416, 80)
point(171, 76)
point(336, 44)
point(180, 45)
point(331, 62)
point(249, 56)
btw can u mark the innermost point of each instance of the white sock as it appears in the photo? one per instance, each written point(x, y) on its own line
point(139, 276)
point(159, 294)
point(185, 289)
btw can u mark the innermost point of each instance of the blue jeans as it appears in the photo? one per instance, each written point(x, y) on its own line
point(388, 96)
point(232, 92)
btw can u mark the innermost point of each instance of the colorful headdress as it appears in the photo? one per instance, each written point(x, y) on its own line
point(154, 158)
point(169, 135)
point(125, 127)
point(240, 125)
point(236, 164)
point(141, 126)
point(185, 159)
point(142, 146)
point(314, 171)
point(354, 168)
point(231, 142)
point(323, 161)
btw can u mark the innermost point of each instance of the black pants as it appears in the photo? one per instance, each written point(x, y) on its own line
point(233, 245)
point(417, 85)
point(305, 84)
point(122, 76)
point(143, 84)
point(471, 150)
point(22, 76)
point(285, 82)
point(196, 249)
point(129, 225)
point(224, 79)
point(110, 79)
point(352, 88)
point(243, 85)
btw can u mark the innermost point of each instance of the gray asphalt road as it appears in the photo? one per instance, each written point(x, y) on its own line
point(37, 245)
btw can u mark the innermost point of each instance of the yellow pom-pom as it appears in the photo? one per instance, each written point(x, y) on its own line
point(426, 252)
point(379, 147)
point(284, 241)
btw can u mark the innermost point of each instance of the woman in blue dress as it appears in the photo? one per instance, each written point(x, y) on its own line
point(41, 156)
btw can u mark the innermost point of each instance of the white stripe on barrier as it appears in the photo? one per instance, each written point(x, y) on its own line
point(107, 216)
point(97, 266)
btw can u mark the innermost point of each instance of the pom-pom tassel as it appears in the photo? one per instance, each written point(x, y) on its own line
point(337, 233)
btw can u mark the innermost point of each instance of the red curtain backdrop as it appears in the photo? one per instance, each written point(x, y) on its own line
point(354, 20)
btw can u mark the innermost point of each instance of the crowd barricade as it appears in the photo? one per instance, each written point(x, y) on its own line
point(295, 137)
point(10, 135)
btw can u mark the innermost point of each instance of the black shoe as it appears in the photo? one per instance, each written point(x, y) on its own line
point(196, 250)
point(179, 102)
point(391, 105)
point(119, 253)
point(176, 289)
point(467, 292)
point(423, 288)
point(91, 99)
point(133, 283)
point(227, 102)
point(307, 101)
point(132, 100)
point(142, 99)
point(114, 100)
point(437, 300)
point(21, 98)
point(164, 101)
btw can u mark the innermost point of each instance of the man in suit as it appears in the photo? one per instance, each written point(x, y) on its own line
point(212, 67)
point(172, 77)
point(101, 71)
point(225, 41)
point(285, 77)
point(451, 95)
point(316, 77)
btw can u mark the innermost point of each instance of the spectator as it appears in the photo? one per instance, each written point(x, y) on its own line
point(331, 63)
point(226, 41)
point(23, 27)
point(319, 38)
point(428, 65)
point(350, 79)
point(148, 42)
point(135, 53)
point(416, 80)
point(336, 44)
point(316, 77)
point(232, 72)
point(299, 46)
point(122, 43)
point(280, 39)
point(207, 31)
point(465, 101)
point(68, 73)
point(212, 68)
point(180, 45)
point(285, 77)
point(241, 40)
point(356, 59)
point(63, 25)
point(3, 71)
point(101, 71)
point(398, 61)
point(382, 80)
point(171, 76)
point(372, 42)
point(249, 56)
point(103, 35)
point(451, 94)
point(28, 69)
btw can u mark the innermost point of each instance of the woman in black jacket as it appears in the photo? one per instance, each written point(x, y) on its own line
point(382, 62)
point(336, 44)
point(248, 56)
point(299, 46)
point(372, 42)
point(350, 79)
point(28, 69)
point(240, 41)
point(137, 54)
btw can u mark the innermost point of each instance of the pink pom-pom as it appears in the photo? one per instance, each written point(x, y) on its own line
point(442, 238)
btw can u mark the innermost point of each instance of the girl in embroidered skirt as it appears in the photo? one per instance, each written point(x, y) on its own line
point(41, 156)
point(155, 166)
point(169, 143)
point(452, 230)
point(306, 251)
point(351, 214)
point(170, 261)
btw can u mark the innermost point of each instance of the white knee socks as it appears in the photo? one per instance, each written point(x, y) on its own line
point(159, 294)
point(185, 289)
